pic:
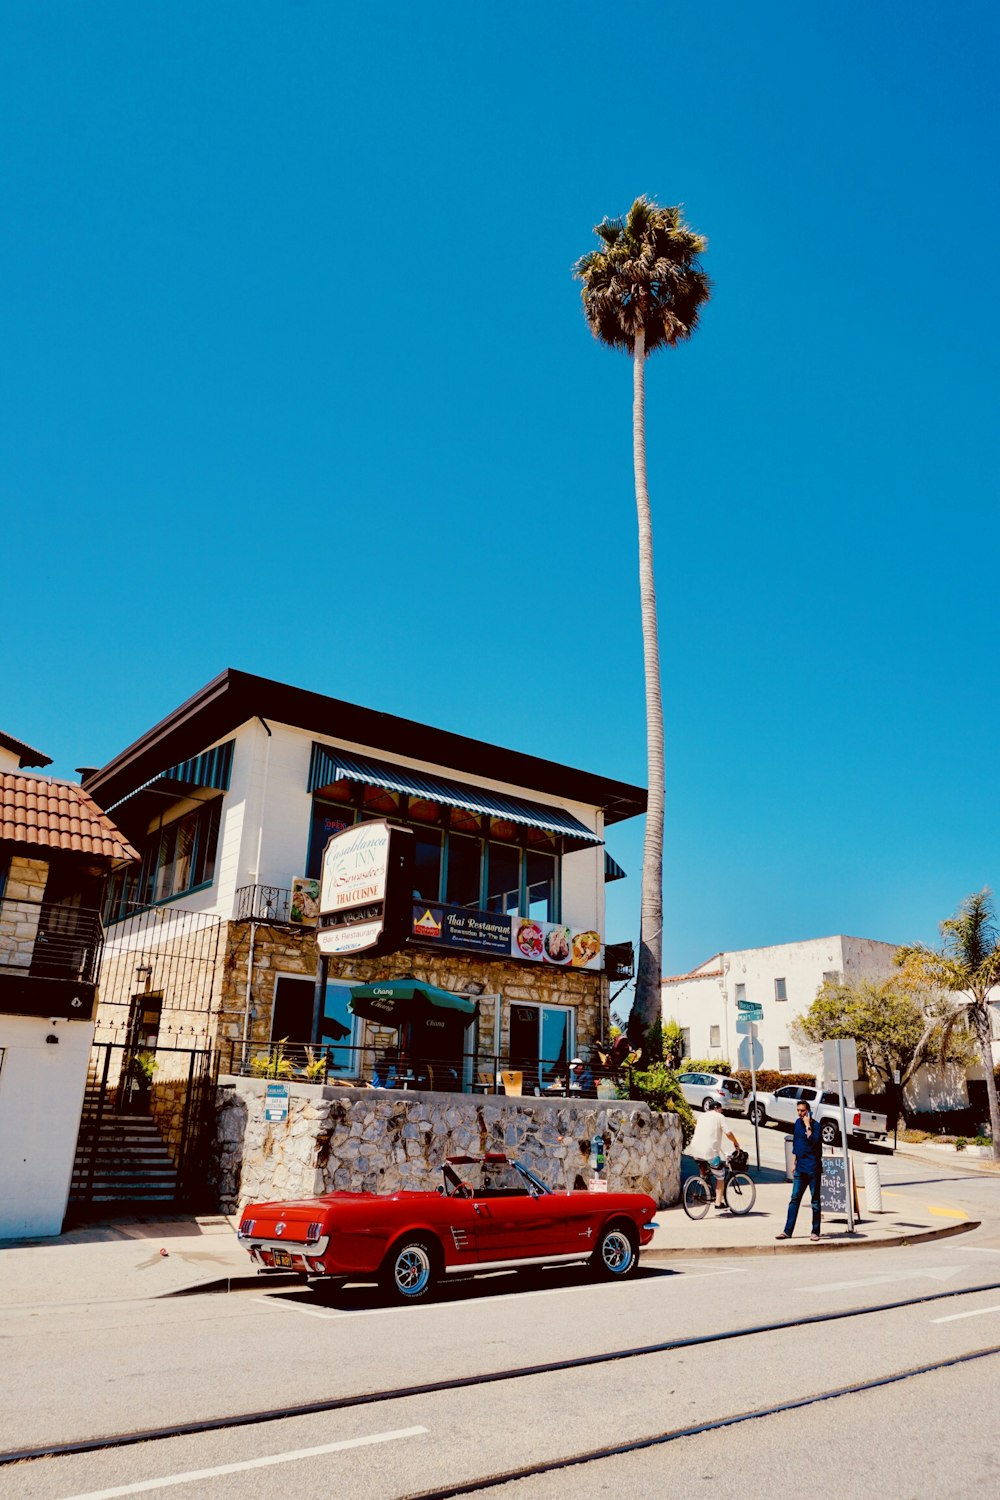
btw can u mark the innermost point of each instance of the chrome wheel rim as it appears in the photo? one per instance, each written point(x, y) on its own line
point(617, 1252)
point(412, 1271)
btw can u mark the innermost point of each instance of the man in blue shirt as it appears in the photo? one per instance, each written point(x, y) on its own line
point(808, 1152)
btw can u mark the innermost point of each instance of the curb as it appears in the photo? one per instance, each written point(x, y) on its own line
point(807, 1247)
point(976, 1164)
point(236, 1284)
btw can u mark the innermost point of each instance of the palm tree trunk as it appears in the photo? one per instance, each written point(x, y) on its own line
point(981, 1023)
point(647, 1005)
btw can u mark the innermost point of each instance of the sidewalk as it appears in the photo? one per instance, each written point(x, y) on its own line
point(138, 1258)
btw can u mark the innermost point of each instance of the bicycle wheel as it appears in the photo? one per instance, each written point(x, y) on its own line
point(741, 1193)
point(697, 1197)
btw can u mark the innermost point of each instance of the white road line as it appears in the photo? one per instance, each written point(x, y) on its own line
point(936, 1273)
point(194, 1475)
point(977, 1312)
point(310, 1312)
point(982, 1249)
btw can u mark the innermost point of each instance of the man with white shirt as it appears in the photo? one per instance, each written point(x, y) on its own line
point(706, 1145)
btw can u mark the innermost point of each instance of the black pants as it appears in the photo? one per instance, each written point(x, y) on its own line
point(802, 1180)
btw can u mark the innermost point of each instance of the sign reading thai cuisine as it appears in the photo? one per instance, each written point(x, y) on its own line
point(510, 936)
point(365, 890)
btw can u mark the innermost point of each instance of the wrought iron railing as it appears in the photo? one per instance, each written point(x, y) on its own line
point(371, 1067)
point(262, 903)
point(43, 939)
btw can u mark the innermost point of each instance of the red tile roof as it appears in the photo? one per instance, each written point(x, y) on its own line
point(57, 815)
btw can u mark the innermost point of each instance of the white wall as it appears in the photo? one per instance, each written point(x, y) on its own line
point(698, 1002)
point(41, 1096)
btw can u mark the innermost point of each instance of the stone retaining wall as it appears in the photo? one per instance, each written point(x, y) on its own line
point(377, 1140)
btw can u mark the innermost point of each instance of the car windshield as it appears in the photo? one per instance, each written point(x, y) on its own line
point(493, 1178)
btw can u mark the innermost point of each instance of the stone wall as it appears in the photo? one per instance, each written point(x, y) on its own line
point(20, 911)
point(374, 1140)
point(290, 950)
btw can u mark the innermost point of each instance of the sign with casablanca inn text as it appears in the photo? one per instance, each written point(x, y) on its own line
point(364, 886)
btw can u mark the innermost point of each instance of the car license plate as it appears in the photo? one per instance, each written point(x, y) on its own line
point(282, 1258)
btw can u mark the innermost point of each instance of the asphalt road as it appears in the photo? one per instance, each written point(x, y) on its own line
point(926, 1319)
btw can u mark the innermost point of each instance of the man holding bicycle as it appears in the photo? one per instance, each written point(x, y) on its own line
point(706, 1145)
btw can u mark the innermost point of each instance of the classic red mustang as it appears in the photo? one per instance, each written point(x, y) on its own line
point(489, 1212)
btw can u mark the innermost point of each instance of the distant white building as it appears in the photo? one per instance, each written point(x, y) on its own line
point(783, 979)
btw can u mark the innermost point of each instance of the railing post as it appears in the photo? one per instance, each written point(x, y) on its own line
point(95, 1143)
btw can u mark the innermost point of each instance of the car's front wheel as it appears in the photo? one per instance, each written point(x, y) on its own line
point(707, 1103)
point(409, 1271)
point(757, 1115)
point(617, 1253)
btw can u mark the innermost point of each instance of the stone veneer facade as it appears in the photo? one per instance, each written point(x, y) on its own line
point(375, 1140)
point(21, 910)
point(292, 951)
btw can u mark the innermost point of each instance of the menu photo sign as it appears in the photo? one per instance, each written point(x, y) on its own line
point(364, 898)
point(304, 904)
point(508, 936)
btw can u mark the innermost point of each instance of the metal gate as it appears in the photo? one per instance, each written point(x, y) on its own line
point(147, 1127)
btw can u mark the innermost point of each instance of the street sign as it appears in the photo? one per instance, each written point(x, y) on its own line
point(275, 1102)
point(750, 1009)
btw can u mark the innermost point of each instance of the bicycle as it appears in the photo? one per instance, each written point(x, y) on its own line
point(739, 1192)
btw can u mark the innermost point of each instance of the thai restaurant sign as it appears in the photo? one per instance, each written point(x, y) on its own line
point(364, 890)
point(507, 936)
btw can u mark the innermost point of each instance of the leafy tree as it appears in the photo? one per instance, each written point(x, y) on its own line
point(658, 1087)
point(672, 1042)
point(643, 290)
point(898, 1023)
point(967, 965)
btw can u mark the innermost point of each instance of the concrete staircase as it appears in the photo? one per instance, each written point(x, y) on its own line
point(132, 1165)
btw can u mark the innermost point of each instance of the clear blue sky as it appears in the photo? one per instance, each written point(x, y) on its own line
point(294, 378)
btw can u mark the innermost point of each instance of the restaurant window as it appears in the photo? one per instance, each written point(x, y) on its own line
point(427, 864)
point(463, 878)
point(541, 1039)
point(540, 877)
point(503, 878)
point(337, 1029)
point(327, 819)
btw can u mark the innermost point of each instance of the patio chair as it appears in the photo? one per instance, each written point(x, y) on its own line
point(512, 1082)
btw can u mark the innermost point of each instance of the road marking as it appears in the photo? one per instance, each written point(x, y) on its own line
point(945, 1213)
point(194, 1475)
point(939, 1273)
point(375, 1312)
point(978, 1312)
point(983, 1249)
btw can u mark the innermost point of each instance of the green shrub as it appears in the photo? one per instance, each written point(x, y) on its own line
point(658, 1087)
point(273, 1064)
point(706, 1065)
point(769, 1079)
point(983, 1140)
point(960, 1143)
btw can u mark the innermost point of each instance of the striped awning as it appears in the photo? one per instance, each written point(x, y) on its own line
point(612, 869)
point(212, 768)
point(329, 764)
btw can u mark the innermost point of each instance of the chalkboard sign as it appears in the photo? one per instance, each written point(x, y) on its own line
point(833, 1191)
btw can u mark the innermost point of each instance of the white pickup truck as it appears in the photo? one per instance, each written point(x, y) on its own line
point(825, 1107)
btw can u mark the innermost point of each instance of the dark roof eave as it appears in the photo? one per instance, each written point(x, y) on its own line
point(28, 755)
point(234, 697)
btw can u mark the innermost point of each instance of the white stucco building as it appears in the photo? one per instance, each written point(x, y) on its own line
point(783, 979)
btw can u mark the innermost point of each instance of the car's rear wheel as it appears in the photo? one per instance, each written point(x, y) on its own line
point(617, 1253)
point(410, 1271)
point(757, 1115)
point(828, 1133)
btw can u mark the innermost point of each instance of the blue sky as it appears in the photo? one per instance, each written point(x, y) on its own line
point(295, 379)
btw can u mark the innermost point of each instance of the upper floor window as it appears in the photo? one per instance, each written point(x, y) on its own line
point(176, 858)
point(715, 1036)
point(741, 992)
point(780, 992)
point(784, 1059)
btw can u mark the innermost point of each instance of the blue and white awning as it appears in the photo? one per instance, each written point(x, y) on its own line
point(329, 764)
point(212, 768)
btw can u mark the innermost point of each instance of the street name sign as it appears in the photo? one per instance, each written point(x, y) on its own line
point(750, 1010)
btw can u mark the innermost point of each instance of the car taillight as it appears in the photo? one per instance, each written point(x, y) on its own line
point(246, 1228)
point(857, 1119)
point(312, 1233)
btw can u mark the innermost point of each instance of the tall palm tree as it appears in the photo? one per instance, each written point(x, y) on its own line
point(968, 964)
point(643, 290)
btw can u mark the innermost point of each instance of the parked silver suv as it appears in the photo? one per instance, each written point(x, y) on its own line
point(700, 1089)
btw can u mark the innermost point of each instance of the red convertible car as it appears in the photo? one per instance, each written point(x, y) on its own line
point(490, 1212)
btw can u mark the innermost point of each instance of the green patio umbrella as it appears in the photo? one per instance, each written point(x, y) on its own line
point(398, 1000)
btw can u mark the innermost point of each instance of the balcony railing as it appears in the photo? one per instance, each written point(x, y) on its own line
point(486, 1073)
point(263, 903)
point(43, 940)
